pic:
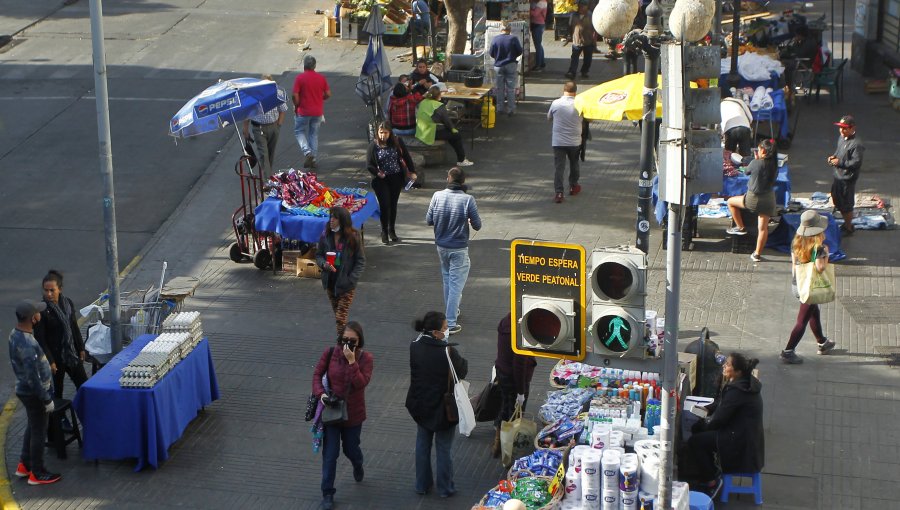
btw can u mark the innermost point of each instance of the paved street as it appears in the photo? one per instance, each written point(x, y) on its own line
point(832, 440)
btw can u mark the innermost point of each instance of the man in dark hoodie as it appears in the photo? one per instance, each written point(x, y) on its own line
point(847, 162)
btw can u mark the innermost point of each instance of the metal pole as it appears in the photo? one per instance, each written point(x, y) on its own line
point(648, 125)
point(734, 79)
point(670, 355)
point(106, 171)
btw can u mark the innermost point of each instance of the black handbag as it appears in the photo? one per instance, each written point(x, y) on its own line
point(487, 403)
point(251, 154)
point(451, 412)
point(335, 413)
point(311, 403)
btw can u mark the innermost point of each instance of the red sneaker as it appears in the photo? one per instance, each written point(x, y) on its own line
point(574, 190)
point(43, 478)
point(22, 471)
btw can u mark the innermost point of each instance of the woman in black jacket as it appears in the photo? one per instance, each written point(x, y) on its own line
point(59, 335)
point(734, 426)
point(430, 379)
point(391, 166)
point(339, 277)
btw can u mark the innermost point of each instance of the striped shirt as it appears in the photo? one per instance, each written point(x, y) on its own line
point(449, 213)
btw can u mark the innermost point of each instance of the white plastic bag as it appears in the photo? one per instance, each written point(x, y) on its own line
point(463, 404)
point(99, 340)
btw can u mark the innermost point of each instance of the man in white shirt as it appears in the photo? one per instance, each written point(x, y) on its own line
point(566, 140)
point(736, 118)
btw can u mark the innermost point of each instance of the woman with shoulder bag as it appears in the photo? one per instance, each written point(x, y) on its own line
point(346, 369)
point(339, 278)
point(808, 245)
point(430, 380)
point(59, 335)
point(391, 166)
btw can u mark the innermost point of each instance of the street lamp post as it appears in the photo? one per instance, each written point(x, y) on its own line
point(648, 40)
point(734, 79)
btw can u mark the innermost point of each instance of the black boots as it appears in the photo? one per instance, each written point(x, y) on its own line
point(384, 237)
point(394, 235)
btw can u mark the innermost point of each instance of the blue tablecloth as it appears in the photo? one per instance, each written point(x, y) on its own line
point(122, 423)
point(780, 239)
point(731, 186)
point(778, 113)
point(270, 218)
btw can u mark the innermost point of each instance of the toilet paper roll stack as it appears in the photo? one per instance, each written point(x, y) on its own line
point(570, 504)
point(616, 438)
point(575, 456)
point(610, 463)
point(629, 473)
point(650, 453)
point(600, 436)
point(646, 500)
point(629, 500)
point(591, 486)
point(610, 500)
point(573, 486)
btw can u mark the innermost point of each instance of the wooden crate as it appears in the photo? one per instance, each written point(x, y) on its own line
point(330, 28)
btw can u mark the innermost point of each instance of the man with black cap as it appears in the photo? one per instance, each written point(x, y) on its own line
point(847, 161)
point(34, 387)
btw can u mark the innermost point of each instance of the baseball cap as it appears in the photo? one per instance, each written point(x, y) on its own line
point(28, 308)
point(846, 121)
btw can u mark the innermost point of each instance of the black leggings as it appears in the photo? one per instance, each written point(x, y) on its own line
point(807, 314)
point(455, 141)
point(76, 373)
point(387, 191)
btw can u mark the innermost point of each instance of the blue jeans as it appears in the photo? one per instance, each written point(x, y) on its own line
point(506, 86)
point(443, 441)
point(537, 35)
point(306, 129)
point(454, 272)
point(332, 437)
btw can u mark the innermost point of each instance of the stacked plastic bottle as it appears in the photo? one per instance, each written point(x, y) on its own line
point(185, 322)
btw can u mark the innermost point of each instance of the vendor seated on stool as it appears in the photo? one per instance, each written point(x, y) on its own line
point(733, 428)
point(760, 196)
point(736, 118)
point(433, 123)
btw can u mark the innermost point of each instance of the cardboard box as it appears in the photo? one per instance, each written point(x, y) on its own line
point(289, 260)
point(687, 365)
point(330, 27)
point(307, 268)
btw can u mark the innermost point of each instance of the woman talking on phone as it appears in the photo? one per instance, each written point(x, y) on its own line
point(348, 369)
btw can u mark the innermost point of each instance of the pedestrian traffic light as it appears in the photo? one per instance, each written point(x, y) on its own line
point(547, 299)
point(690, 146)
point(548, 322)
point(618, 289)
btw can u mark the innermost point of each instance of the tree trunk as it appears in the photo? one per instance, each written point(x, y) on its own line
point(457, 14)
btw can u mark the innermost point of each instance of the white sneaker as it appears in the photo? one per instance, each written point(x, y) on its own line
point(464, 162)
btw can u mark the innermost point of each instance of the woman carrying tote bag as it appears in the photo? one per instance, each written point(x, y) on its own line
point(808, 250)
point(429, 382)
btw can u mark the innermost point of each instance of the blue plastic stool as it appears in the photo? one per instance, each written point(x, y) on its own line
point(700, 501)
point(729, 488)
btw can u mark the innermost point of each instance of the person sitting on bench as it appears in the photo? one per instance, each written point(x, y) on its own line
point(433, 123)
point(760, 196)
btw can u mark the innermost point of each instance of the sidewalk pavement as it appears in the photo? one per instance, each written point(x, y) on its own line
point(831, 433)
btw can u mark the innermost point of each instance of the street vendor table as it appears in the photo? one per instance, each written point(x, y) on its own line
point(270, 218)
point(120, 423)
point(780, 239)
point(471, 97)
point(731, 186)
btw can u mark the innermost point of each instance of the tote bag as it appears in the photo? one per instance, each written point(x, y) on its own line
point(814, 287)
point(463, 404)
point(516, 437)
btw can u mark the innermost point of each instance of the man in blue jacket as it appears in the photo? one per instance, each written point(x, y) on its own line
point(451, 212)
point(505, 50)
point(34, 387)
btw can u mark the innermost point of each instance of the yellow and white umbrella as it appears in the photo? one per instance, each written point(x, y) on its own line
point(619, 99)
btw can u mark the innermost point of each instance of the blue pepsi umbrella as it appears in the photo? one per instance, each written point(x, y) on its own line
point(227, 101)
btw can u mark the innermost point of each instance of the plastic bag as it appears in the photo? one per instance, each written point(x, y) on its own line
point(516, 437)
point(463, 404)
point(99, 340)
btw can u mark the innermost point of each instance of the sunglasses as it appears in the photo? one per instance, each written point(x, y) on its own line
point(349, 342)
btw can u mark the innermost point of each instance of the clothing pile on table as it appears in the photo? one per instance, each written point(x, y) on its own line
point(302, 194)
point(754, 67)
point(872, 212)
